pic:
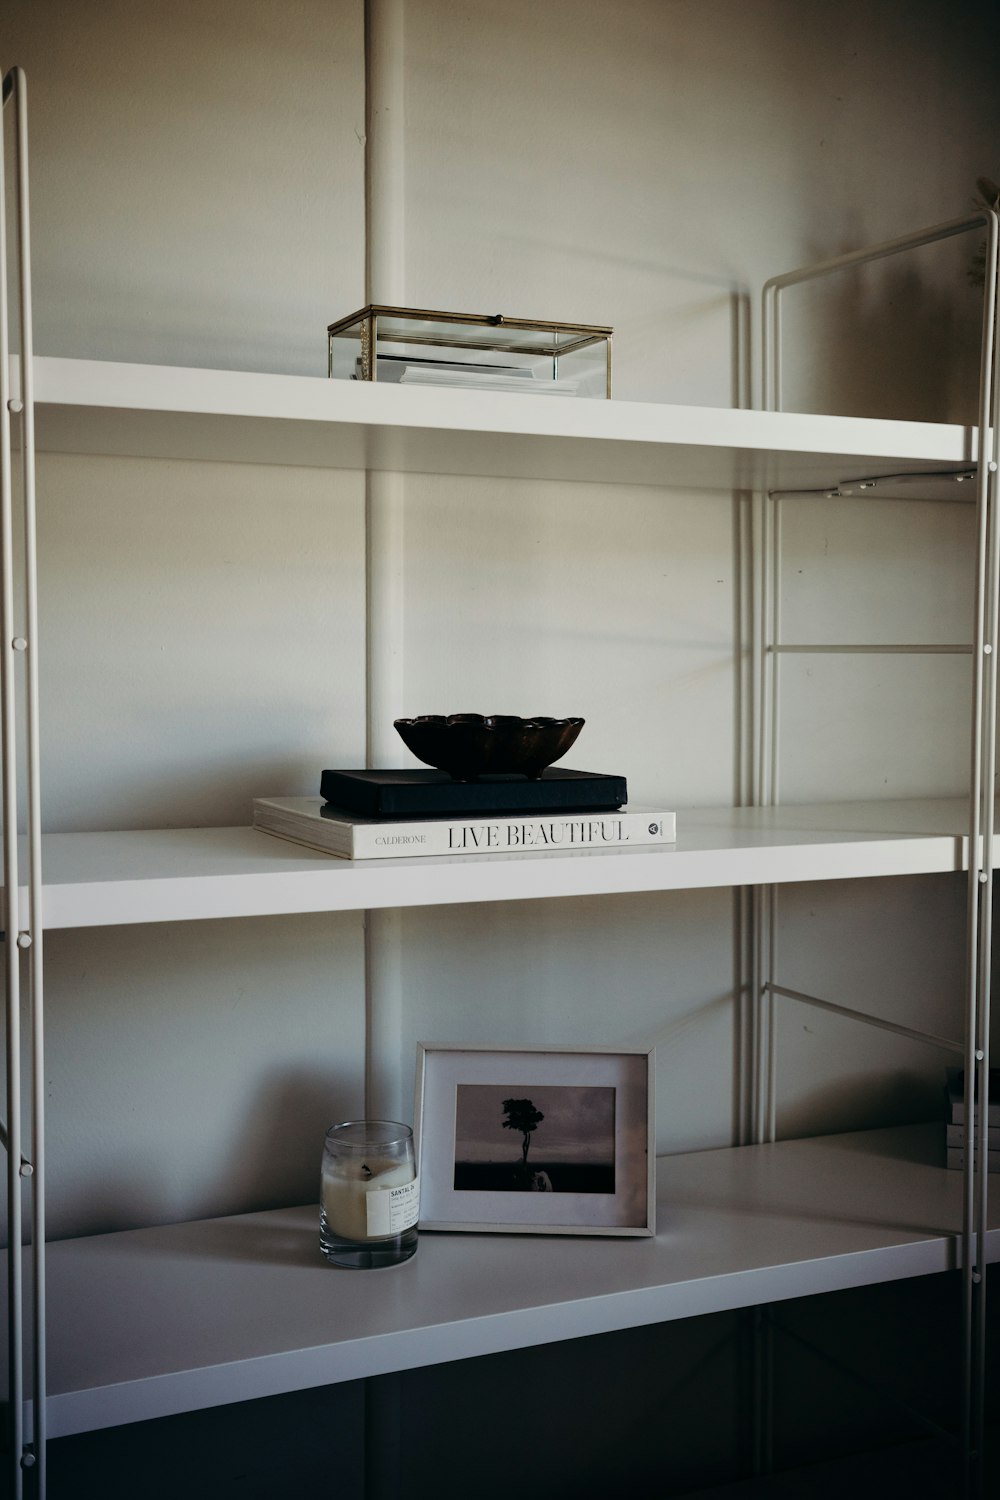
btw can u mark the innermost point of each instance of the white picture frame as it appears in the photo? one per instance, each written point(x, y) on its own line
point(488, 1168)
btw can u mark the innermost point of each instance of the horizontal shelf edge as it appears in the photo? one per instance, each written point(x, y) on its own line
point(738, 1227)
point(116, 879)
point(91, 406)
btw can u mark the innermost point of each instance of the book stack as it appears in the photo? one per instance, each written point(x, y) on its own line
point(460, 375)
point(407, 813)
point(955, 1121)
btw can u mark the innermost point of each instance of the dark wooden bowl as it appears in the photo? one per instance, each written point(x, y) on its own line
point(468, 746)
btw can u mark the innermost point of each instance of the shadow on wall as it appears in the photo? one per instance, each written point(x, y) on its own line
point(273, 1161)
point(863, 1104)
point(898, 339)
point(693, 349)
point(282, 1137)
point(214, 788)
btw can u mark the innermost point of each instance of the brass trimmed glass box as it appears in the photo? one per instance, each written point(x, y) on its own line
point(410, 346)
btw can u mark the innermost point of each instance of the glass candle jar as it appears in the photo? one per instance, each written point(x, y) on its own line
point(369, 1194)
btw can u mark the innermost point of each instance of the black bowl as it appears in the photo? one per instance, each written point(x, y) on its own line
point(468, 746)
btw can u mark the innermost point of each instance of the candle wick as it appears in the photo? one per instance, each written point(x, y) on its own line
point(366, 1172)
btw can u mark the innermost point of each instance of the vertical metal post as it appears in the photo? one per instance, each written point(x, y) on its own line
point(384, 524)
point(384, 540)
point(769, 1082)
point(979, 915)
point(977, 1061)
point(763, 1062)
point(762, 792)
point(761, 911)
point(33, 936)
point(774, 641)
point(28, 935)
point(12, 990)
point(746, 636)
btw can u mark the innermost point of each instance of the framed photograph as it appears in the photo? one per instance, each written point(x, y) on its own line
point(537, 1140)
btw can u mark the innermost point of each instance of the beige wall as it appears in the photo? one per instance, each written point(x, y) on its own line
point(198, 199)
point(197, 185)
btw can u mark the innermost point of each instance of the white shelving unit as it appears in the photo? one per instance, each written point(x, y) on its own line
point(738, 1227)
point(151, 411)
point(177, 875)
point(242, 1307)
point(237, 1308)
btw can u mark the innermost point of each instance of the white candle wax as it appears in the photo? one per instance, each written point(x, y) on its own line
point(346, 1189)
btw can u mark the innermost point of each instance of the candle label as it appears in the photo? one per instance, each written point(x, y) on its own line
point(391, 1210)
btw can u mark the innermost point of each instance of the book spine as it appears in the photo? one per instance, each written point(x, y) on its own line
point(956, 1159)
point(511, 835)
point(955, 1136)
point(958, 1114)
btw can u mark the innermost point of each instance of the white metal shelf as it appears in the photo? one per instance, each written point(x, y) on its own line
point(178, 1318)
point(183, 874)
point(93, 406)
point(152, 1322)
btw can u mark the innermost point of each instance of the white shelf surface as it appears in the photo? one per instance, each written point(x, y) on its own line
point(152, 1322)
point(93, 406)
point(183, 874)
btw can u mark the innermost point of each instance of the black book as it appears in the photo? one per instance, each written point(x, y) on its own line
point(431, 794)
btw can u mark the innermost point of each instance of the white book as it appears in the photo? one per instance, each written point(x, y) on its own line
point(477, 380)
point(396, 367)
point(311, 821)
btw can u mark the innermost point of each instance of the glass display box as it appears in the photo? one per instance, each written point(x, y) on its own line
point(409, 346)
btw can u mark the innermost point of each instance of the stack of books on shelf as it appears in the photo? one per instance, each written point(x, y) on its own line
point(955, 1120)
point(484, 377)
point(405, 813)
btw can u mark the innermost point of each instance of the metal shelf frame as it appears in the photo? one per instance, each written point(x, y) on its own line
point(19, 731)
point(768, 649)
point(22, 929)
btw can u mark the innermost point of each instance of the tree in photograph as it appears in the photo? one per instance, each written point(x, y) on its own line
point(521, 1115)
